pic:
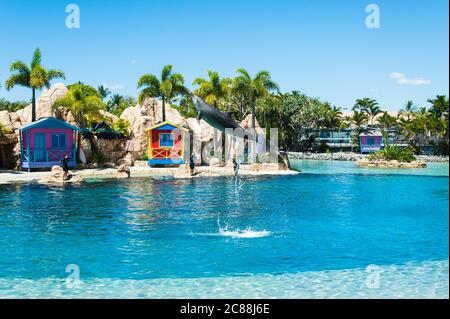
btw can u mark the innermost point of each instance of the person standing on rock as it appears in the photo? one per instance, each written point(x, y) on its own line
point(65, 167)
point(191, 164)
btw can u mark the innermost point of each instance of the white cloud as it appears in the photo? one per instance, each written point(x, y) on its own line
point(133, 61)
point(401, 79)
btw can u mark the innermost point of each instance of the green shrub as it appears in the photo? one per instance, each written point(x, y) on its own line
point(4, 130)
point(323, 147)
point(144, 156)
point(122, 126)
point(394, 153)
point(442, 148)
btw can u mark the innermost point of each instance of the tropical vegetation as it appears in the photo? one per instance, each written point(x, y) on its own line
point(394, 153)
point(34, 77)
point(299, 118)
point(167, 87)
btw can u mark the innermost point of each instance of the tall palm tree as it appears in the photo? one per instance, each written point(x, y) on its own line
point(387, 122)
point(214, 89)
point(83, 107)
point(359, 120)
point(103, 91)
point(167, 87)
point(439, 106)
point(408, 111)
point(259, 86)
point(332, 116)
point(369, 107)
point(34, 76)
point(114, 101)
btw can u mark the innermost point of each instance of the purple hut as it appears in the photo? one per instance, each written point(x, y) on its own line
point(45, 142)
point(371, 142)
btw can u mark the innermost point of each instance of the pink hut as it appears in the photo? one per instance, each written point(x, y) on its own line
point(371, 142)
point(45, 142)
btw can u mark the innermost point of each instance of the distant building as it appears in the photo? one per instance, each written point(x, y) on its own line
point(371, 142)
point(45, 142)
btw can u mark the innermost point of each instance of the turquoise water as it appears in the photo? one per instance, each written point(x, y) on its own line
point(341, 167)
point(246, 238)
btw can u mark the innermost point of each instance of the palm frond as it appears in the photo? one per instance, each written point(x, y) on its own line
point(36, 61)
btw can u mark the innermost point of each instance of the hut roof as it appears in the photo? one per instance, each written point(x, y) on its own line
point(49, 122)
point(371, 133)
point(166, 126)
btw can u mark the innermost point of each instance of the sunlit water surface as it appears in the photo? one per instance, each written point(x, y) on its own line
point(312, 235)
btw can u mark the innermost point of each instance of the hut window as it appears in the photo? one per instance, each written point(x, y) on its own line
point(58, 140)
point(370, 141)
point(166, 139)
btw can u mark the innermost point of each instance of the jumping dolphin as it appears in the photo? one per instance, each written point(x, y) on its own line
point(215, 118)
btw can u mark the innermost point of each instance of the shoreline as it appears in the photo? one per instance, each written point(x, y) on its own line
point(11, 177)
point(353, 157)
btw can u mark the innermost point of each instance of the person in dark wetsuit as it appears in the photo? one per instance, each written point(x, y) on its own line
point(65, 164)
point(65, 167)
point(191, 164)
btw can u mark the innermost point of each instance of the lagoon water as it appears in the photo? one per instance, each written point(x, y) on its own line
point(321, 234)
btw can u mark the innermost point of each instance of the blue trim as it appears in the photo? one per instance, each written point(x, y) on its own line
point(49, 122)
point(167, 161)
point(26, 164)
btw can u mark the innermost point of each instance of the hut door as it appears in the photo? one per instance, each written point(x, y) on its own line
point(39, 148)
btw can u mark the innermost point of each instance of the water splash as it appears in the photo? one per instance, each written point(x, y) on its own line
point(238, 233)
point(246, 233)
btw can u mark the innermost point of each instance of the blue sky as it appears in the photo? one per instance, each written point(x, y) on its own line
point(319, 47)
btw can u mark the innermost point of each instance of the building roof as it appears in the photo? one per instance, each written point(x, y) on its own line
point(49, 122)
point(372, 133)
point(166, 126)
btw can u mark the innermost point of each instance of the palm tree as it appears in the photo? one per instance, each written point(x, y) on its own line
point(103, 91)
point(359, 120)
point(387, 122)
point(368, 106)
point(167, 87)
point(35, 77)
point(114, 101)
point(259, 86)
point(439, 106)
point(214, 89)
point(83, 107)
point(332, 116)
point(408, 111)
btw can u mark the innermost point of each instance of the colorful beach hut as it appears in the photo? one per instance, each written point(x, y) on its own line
point(45, 142)
point(166, 144)
point(371, 142)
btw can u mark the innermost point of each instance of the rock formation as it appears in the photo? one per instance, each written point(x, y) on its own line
point(390, 164)
point(58, 176)
point(123, 171)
